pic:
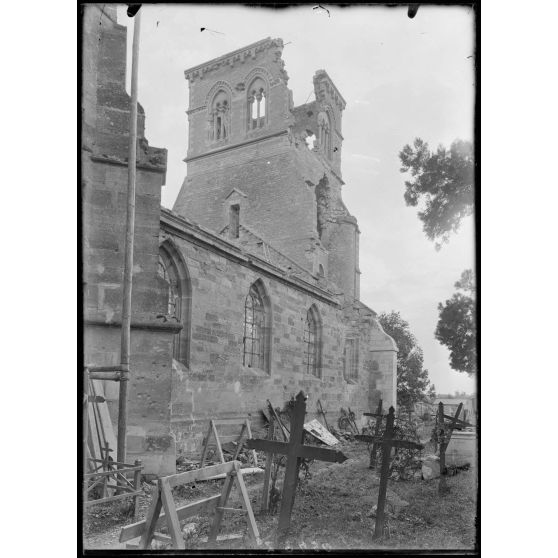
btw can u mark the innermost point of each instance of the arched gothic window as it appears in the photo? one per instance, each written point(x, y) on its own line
point(312, 342)
point(219, 117)
point(256, 329)
point(169, 274)
point(176, 281)
point(324, 133)
point(257, 104)
point(351, 359)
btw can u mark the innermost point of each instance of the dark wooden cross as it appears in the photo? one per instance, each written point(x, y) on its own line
point(387, 442)
point(444, 438)
point(379, 417)
point(295, 450)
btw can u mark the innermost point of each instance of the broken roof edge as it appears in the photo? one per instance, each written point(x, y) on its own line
point(170, 218)
point(267, 40)
point(318, 74)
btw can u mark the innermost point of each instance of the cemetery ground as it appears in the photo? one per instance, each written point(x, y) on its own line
point(333, 510)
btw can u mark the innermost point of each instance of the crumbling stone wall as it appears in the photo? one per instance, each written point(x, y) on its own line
point(290, 192)
point(104, 154)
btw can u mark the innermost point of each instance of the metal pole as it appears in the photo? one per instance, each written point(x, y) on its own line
point(129, 250)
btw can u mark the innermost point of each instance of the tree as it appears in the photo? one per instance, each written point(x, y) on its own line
point(442, 183)
point(413, 384)
point(456, 327)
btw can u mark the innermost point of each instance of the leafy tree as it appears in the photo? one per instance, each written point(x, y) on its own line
point(456, 327)
point(442, 182)
point(413, 384)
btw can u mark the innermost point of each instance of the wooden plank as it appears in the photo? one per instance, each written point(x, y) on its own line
point(205, 446)
point(90, 503)
point(321, 410)
point(200, 474)
point(284, 429)
point(231, 421)
point(196, 508)
point(113, 472)
point(170, 513)
point(223, 498)
point(254, 455)
point(268, 465)
point(219, 449)
point(246, 471)
point(111, 376)
point(319, 431)
point(252, 527)
point(226, 537)
point(150, 523)
point(106, 421)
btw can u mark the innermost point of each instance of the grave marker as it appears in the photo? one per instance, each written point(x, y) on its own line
point(295, 450)
point(387, 442)
point(444, 437)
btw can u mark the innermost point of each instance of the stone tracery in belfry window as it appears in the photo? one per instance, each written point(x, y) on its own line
point(324, 133)
point(257, 104)
point(219, 117)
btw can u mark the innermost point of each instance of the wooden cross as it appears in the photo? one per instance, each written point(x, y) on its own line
point(295, 450)
point(387, 442)
point(444, 437)
point(379, 417)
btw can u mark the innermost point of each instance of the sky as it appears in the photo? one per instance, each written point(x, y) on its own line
point(401, 78)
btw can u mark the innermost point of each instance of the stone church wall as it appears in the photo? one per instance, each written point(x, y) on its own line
point(215, 384)
point(104, 196)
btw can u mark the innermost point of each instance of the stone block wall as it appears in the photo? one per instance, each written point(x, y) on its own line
point(106, 111)
point(217, 385)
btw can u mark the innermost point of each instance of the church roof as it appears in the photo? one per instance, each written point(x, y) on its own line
point(252, 245)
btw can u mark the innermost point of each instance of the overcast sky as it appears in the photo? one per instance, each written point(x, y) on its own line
point(401, 78)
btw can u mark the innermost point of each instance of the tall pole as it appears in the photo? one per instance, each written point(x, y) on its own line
point(129, 251)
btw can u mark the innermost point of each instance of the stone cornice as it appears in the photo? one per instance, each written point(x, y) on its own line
point(235, 145)
point(121, 163)
point(177, 225)
point(321, 77)
point(172, 327)
point(231, 58)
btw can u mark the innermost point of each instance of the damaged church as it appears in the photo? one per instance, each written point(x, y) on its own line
point(248, 289)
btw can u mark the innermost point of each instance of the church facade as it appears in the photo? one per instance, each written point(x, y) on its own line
point(248, 289)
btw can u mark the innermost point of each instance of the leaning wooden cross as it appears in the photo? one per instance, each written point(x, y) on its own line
point(443, 435)
point(295, 450)
point(162, 498)
point(379, 417)
point(387, 442)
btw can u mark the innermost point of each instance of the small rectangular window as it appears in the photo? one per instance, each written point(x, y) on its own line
point(234, 220)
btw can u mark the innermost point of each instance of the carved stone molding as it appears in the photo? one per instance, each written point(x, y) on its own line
point(237, 56)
